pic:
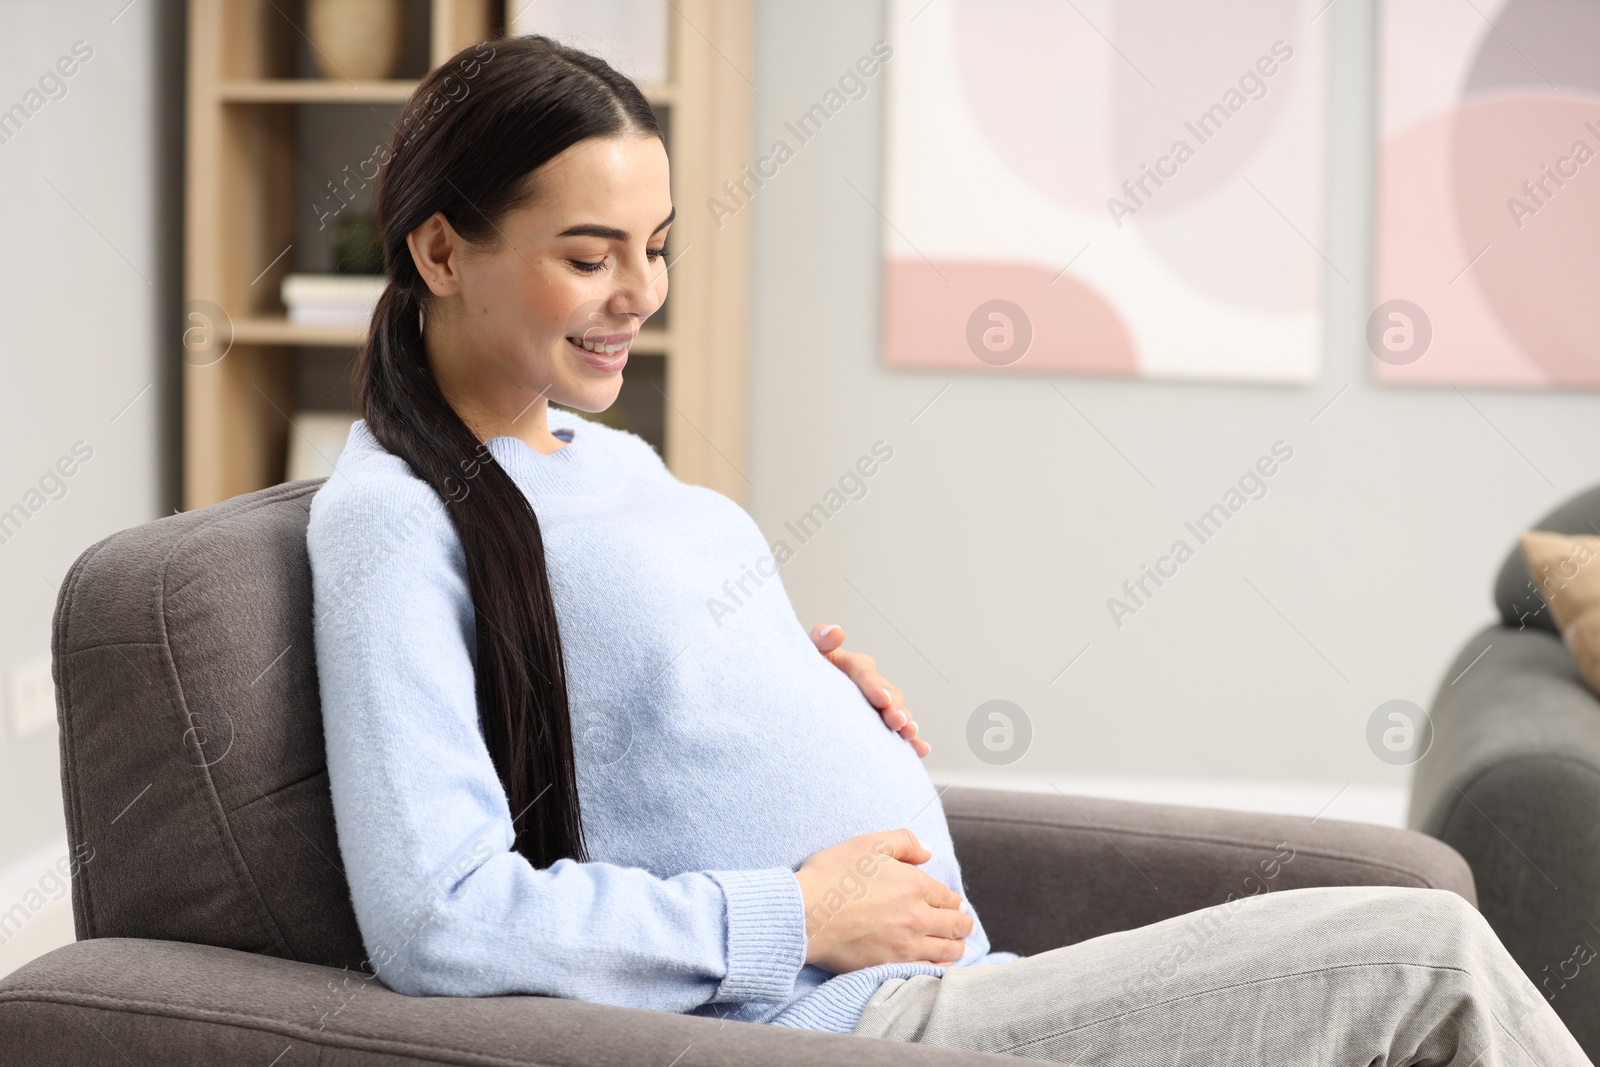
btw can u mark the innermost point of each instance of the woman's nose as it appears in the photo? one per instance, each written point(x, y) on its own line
point(637, 287)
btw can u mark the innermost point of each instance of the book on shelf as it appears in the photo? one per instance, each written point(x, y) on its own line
point(331, 299)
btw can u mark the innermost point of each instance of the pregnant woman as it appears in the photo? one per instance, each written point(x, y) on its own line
point(555, 771)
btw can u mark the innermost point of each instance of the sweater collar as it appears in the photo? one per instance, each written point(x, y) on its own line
point(585, 467)
point(576, 469)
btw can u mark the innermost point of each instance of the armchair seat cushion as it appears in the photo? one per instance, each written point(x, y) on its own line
point(119, 1000)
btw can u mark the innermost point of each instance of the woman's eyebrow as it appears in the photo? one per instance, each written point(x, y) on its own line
point(611, 233)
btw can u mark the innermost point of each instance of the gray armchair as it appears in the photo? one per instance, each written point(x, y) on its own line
point(214, 924)
point(1512, 782)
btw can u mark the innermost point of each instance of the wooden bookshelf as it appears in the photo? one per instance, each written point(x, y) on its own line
point(246, 94)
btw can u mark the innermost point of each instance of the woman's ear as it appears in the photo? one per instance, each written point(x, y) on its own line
point(436, 250)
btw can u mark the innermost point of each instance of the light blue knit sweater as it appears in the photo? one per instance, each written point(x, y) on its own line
point(713, 755)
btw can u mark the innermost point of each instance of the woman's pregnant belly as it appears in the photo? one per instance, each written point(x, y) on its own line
point(733, 764)
point(708, 739)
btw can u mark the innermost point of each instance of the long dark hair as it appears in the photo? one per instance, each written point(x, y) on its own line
point(466, 142)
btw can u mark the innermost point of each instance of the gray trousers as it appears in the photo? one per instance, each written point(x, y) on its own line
point(1341, 977)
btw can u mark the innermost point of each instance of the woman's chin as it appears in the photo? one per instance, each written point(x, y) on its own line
point(593, 397)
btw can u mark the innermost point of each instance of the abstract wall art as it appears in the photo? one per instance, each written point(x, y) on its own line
point(1488, 194)
point(1107, 187)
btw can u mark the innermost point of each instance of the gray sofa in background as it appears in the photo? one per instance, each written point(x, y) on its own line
point(213, 919)
point(1512, 782)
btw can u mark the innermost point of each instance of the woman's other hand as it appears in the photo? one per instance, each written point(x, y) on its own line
point(866, 903)
point(863, 670)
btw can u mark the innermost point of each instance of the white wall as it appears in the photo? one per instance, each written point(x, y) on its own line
point(979, 562)
point(89, 280)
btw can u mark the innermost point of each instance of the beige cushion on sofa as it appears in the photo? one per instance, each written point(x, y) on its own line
point(1566, 571)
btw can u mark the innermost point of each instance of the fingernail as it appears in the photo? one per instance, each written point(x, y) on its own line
point(825, 629)
point(888, 696)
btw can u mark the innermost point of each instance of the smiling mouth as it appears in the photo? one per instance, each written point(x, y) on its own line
point(606, 353)
point(607, 345)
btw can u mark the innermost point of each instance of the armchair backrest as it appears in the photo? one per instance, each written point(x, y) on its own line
point(192, 761)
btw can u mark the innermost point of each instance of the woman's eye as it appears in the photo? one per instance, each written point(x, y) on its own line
point(651, 254)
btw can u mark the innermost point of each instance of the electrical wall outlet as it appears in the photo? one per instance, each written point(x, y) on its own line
point(30, 699)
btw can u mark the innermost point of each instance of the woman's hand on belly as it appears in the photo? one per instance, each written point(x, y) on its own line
point(867, 903)
point(863, 670)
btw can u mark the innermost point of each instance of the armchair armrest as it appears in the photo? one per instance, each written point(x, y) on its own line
point(1045, 870)
point(116, 1001)
point(1512, 695)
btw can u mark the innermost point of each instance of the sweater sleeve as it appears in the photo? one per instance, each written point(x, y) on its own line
point(445, 907)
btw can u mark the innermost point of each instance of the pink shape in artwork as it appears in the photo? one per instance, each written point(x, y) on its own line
point(1421, 257)
point(1212, 97)
point(1526, 172)
point(928, 307)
